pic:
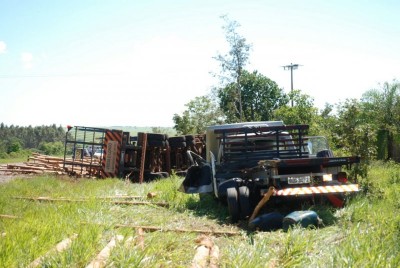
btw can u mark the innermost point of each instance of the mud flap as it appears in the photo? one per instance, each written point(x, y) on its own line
point(197, 180)
point(335, 201)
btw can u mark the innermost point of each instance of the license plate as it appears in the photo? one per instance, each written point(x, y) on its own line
point(299, 180)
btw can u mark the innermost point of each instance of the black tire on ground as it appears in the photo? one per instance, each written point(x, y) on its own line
point(244, 202)
point(233, 204)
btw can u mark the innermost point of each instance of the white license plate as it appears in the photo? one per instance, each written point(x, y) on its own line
point(299, 180)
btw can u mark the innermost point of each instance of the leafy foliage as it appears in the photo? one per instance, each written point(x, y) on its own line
point(260, 97)
point(52, 148)
point(200, 113)
point(303, 112)
point(14, 139)
point(356, 134)
point(383, 108)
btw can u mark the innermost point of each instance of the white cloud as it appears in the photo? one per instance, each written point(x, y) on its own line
point(27, 59)
point(3, 47)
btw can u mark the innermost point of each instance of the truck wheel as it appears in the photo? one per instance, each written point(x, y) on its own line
point(156, 137)
point(233, 204)
point(244, 202)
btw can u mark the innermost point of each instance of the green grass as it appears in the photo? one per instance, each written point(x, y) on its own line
point(363, 234)
point(13, 160)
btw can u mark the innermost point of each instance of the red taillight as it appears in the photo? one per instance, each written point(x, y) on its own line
point(342, 177)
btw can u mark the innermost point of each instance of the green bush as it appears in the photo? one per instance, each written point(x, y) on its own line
point(52, 148)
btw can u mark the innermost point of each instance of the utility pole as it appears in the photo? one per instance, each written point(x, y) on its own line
point(291, 67)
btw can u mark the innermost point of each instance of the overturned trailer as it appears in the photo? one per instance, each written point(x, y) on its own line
point(246, 161)
point(102, 152)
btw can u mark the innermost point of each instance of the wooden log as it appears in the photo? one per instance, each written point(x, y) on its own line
point(202, 256)
point(49, 199)
point(177, 230)
point(60, 247)
point(129, 242)
point(214, 257)
point(140, 238)
point(23, 171)
point(101, 259)
point(8, 216)
point(121, 197)
point(46, 157)
point(143, 158)
point(15, 166)
point(200, 259)
point(207, 254)
point(160, 204)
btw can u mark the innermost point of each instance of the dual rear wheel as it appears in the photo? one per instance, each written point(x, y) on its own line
point(238, 203)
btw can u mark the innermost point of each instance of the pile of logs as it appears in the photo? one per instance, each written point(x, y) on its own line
point(36, 164)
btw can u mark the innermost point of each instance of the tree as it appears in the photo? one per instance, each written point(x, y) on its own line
point(233, 63)
point(383, 107)
point(260, 97)
point(303, 112)
point(356, 135)
point(200, 113)
point(15, 139)
point(325, 125)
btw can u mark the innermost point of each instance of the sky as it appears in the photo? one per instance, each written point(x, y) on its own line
point(137, 63)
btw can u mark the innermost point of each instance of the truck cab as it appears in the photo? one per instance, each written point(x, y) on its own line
point(245, 160)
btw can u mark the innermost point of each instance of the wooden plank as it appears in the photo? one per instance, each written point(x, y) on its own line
point(14, 166)
point(177, 230)
point(60, 247)
point(49, 199)
point(8, 216)
point(140, 238)
point(102, 257)
point(143, 158)
point(25, 171)
point(207, 254)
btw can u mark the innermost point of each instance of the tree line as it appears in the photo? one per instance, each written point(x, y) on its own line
point(16, 140)
point(368, 127)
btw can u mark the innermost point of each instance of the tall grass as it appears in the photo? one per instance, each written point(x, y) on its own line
point(363, 234)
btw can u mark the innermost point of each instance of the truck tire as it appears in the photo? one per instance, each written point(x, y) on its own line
point(244, 202)
point(181, 144)
point(157, 143)
point(233, 204)
point(156, 137)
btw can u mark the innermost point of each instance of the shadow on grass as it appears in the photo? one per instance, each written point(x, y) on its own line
point(211, 208)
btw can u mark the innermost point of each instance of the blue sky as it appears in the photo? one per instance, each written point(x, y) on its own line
point(137, 63)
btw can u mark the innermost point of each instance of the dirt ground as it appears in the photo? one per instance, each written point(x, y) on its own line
point(6, 176)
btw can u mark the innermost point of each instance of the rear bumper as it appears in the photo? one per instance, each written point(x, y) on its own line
point(317, 190)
